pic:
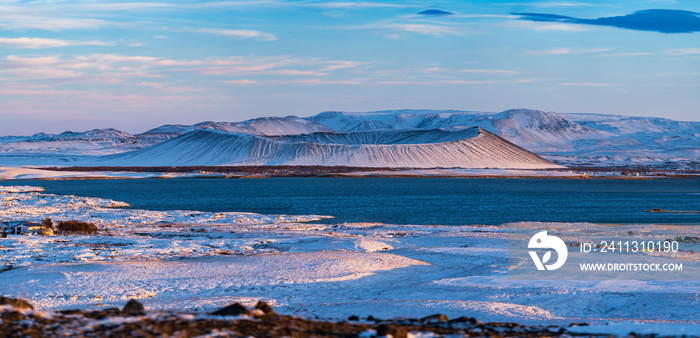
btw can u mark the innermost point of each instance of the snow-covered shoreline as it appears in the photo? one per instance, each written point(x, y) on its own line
point(30, 174)
point(175, 260)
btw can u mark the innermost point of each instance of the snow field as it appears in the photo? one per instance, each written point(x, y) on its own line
point(174, 261)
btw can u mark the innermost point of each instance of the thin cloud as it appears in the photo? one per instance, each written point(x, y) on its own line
point(50, 17)
point(566, 51)
point(437, 82)
point(584, 84)
point(37, 43)
point(657, 20)
point(236, 33)
point(683, 51)
point(357, 5)
point(104, 68)
point(295, 72)
point(426, 29)
point(527, 80)
point(439, 25)
point(549, 26)
point(434, 70)
point(242, 82)
point(628, 54)
point(552, 4)
point(336, 65)
point(490, 71)
point(124, 6)
point(16, 89)
point(114, 68)
point(21, 22)
point(169, 88)
point(320, 82)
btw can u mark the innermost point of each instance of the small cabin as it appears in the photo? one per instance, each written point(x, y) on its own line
point(26, 228)
point(20, 227)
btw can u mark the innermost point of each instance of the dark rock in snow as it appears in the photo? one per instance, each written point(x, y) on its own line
point(16, 303)
point(393, 330)
point(436, 318)
point(232, 310)
point(133, 307)
point(465, 320)
point(101, 314)
point(265, 308)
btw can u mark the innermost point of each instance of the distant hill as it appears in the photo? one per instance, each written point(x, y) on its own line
point(468, 148)
point(260, 126)
point(92, 142)
point(572, 139)
point(568, 139)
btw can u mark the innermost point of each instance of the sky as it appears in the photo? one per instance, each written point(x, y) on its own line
point(80, 65)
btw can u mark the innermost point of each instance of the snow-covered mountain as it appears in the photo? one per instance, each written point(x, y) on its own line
point(68, 147)
point(261, 126)
point(92, 142)
point(590, 139)
point(569, 139)
point(468, 148)
point(531, 127)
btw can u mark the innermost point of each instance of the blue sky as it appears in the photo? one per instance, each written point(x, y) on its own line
point(78, 65)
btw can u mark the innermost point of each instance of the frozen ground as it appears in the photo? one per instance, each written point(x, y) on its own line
point(198, 262)
point(467, 173)
point(19, 173)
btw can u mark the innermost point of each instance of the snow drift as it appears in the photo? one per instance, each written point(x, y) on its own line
point(467, 148)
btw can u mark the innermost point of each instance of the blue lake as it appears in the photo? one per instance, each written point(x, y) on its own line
point(455, 201)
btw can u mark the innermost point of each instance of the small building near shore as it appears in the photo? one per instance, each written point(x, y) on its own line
point(20, 227)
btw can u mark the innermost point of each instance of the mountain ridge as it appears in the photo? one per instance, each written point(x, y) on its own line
point(570, 139)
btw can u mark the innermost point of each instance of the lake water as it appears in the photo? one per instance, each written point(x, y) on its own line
point(455, 201)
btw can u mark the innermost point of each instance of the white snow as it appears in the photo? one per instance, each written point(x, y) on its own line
point(11, 189)
point(202, 282)
point(330, 271)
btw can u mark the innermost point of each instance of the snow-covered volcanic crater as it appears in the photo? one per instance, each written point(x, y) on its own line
point(465, 148)
point(395, 138)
